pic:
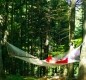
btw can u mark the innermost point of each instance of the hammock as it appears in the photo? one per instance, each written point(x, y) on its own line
point(72, 56)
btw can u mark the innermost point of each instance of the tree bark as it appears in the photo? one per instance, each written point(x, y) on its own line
point(71, 36)
point(1, 64)
point(82, 64)
point(72, 20)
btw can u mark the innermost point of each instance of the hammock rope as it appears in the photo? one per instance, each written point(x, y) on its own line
point(71, 57)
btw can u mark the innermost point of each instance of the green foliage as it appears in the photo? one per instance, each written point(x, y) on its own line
point(58, 53)
point(79, 22)
point(14, 77)
point(30, 78)
point(77, 41)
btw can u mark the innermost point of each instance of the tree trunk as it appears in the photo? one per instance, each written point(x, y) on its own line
point(82, 64)
point(1, 64)
point(46, 49)
point(72, 20)
point(71, 36)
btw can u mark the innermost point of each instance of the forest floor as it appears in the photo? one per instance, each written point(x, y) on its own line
point(17, 77)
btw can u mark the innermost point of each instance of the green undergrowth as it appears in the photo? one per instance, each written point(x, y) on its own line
point(14, 77)
point(17, 77)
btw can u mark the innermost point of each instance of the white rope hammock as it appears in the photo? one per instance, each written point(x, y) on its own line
point(71, 57)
